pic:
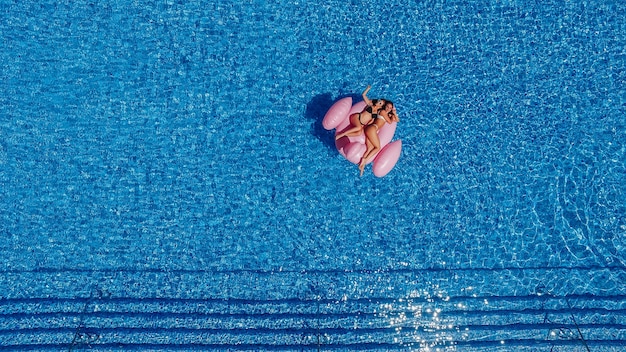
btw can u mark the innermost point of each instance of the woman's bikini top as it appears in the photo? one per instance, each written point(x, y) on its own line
point(374, 115)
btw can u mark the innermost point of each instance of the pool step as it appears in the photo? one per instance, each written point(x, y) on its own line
point(186, 310)
point(378, 323)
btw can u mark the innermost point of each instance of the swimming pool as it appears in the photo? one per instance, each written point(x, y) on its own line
point(165, 182)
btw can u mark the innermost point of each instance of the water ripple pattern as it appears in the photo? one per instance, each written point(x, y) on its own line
point(166, 184)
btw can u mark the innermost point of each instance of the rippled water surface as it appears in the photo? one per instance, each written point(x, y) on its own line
point(165, 181)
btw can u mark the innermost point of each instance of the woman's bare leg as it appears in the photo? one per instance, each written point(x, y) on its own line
point(371, 133)
point(352, 132)
point(369, 147)
point(355, 130)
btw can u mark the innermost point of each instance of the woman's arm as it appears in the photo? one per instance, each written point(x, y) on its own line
point(364, 95)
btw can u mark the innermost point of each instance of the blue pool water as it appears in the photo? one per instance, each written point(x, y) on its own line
point(166, 184)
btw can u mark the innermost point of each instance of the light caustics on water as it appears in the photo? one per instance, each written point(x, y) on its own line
point(420, 320)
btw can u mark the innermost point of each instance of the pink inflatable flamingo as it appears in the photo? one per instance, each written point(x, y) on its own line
point(352, 148)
